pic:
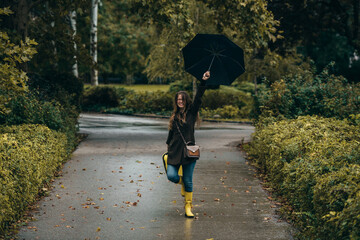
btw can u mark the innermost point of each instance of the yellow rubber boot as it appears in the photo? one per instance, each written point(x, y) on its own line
point(165, 158)
point(188, 205)
point(180, 172)
point(182, 187)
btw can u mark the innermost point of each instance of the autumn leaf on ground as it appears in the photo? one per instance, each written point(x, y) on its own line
point(98, 229)
point(139, 161)
point(216, 199)
point(109, 219)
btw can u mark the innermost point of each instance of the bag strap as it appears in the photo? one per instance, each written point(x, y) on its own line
point(181, 133)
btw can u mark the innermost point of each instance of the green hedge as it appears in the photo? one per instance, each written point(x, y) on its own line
point(313, 163)
point(323, 94)
point(29, 156)
point(226, 102)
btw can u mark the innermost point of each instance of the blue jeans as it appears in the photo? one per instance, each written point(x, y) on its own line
point(188, 170)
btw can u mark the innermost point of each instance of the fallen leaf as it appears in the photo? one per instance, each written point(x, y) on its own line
point(101, 199)
point(57, 226)
point(216, 199)
point(84, 169)
point(109, 219)
point(132, 229)
point(98, 229)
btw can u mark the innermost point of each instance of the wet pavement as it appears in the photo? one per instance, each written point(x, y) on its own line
point(114, 187)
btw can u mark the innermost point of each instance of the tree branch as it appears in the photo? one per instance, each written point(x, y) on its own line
point(33, 4)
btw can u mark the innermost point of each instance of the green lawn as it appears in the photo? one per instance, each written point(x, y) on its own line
point(138, 87)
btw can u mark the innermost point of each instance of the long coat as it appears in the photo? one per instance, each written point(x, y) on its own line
point(174, 141)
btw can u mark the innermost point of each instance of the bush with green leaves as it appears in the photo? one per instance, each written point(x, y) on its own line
point(12, 78)
point(149, 102)
point(313, 163)
point(29, 109)
point(226, 102)
point(29, 156)
point(324, 94)
point(97, 97)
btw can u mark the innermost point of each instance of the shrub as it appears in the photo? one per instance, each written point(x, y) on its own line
point(226, 112)
point(28, 109)
point(149, 102)
point(304, 158)
point(299, 95)
point(29, 155)
point(100, 96)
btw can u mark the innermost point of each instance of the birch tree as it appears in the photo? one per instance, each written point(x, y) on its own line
point(93, 41)
point(72, 16)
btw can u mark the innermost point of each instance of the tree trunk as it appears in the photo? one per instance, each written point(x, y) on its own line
point(22, 13)
point(72, 16)
point(356, 19)
point(93, 41)
point(129, 79)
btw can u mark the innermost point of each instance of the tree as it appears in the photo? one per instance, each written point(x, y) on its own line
point(123, 42)
point(93, 40)
point(323, 30)
point(12, 78)
point(247, 23)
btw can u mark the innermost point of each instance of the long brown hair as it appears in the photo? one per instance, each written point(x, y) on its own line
point(180, 115)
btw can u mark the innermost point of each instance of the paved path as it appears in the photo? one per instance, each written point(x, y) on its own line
point(114, 187)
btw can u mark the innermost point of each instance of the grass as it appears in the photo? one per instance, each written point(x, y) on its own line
point(139, 87)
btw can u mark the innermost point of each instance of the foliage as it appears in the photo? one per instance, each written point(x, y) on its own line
point(123, 44)
point(102, 96)
point(29, 155)
point(177, 23)
point(29, 109)
point(314, 164)
point(147, 102)
point(13, 78)
point(323, 30)
point(118, 100)
point(323, 94)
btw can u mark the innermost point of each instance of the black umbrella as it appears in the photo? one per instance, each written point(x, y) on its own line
point(214, 53)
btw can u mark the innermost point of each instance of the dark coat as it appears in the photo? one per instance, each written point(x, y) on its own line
point(174, 141)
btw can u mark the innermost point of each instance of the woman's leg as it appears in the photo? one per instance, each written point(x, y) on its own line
point(188, 171)
point(172, 173)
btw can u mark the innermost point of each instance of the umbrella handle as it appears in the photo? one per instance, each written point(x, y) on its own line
point(212, 60)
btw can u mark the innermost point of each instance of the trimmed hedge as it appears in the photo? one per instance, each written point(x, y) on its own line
point(313, 163)
point(29, 155)
point(226, 102)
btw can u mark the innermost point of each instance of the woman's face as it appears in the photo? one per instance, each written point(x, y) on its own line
point(180, 101)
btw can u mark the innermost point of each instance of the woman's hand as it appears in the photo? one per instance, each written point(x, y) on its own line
point(206, 75)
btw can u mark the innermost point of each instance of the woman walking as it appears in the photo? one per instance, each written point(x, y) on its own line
point(181, 127)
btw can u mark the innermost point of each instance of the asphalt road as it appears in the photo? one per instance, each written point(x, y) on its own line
point(114, 187)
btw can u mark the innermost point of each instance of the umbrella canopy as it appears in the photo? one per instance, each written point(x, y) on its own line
point(214, 53)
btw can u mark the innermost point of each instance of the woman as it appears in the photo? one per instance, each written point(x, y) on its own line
point(183, 118)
